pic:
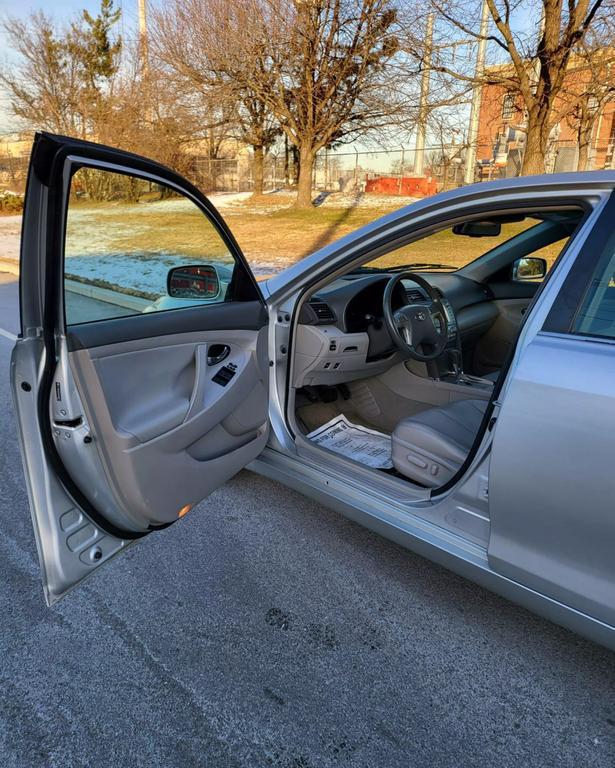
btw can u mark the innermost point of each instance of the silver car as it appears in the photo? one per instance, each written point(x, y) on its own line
point(444, 375)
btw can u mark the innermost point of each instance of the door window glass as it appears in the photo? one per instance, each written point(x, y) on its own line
point(124, 235)
point(596, 315)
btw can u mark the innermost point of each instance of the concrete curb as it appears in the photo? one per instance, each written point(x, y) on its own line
point(91, 291)
point(108, 296)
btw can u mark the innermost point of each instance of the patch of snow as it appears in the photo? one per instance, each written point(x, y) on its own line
point(225, 199)
point(10, 231)
point(363, 200)
point(143, 273)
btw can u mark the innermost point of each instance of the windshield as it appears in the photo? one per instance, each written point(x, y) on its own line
point(449, 250)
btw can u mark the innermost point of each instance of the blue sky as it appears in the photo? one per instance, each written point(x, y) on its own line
point(64, 9)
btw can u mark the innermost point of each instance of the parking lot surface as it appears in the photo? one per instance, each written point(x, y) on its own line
point(265, 630)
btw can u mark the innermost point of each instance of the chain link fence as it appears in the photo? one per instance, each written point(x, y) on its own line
point(13, 172)
point(388, 171)
point(237, 174)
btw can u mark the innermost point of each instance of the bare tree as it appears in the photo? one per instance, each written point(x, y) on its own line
point(186, 40)
point(152, 116)
point(534, 64)
point(82, 81)
point(43, 87)
point(64, 77)
point(317, 66)
point(588, 89)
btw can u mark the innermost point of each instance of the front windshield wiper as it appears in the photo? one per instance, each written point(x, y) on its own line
point(419, 265)
point(358, 270)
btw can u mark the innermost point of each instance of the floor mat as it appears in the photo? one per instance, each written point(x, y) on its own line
point(315, 415)
point(367, 446)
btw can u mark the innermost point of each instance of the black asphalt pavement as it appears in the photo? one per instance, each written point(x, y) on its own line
point(265, 630)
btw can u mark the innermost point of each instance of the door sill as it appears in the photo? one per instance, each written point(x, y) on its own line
point(390, 515)
point(379, 484)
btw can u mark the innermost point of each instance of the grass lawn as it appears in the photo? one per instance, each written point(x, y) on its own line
point(271, 233)
point(289, 235)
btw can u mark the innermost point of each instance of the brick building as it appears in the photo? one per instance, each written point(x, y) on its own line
point(501, 134)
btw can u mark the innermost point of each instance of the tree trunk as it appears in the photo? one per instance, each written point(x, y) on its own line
point(535, 149)
point(304, 185)
point(585, 140)
point(294, 165)
point(258, 169)
point(583, 156)
point(286, 162)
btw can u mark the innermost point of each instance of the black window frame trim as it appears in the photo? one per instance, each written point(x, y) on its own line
point(71, 154)
point(565, 309)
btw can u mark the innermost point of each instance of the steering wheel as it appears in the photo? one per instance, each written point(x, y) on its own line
point(412, 327)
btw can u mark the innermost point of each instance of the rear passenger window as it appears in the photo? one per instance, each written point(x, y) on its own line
point(135, 246)
point(596, 314)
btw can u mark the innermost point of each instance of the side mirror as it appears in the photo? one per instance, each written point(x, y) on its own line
point(529, 268)
point(193, 282)
point(478, 228)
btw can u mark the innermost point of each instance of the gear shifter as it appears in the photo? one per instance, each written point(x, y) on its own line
point(456, 363)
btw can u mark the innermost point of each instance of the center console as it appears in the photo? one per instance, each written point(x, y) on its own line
point(449, 366)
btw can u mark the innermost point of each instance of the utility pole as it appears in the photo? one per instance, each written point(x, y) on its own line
point(421, 128)
point(476, 96)
point(143, 47)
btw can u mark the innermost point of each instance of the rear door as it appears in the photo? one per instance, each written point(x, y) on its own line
point(135, 399)
point(551, 481)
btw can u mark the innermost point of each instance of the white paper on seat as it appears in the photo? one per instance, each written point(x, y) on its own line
point(355, 442)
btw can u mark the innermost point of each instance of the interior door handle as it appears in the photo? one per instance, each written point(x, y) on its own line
point(197, 399)
point(205, 355)
point(216, 353)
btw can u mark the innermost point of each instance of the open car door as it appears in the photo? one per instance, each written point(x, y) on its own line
point(138, 390)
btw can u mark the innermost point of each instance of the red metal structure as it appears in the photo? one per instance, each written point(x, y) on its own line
point(413, 186)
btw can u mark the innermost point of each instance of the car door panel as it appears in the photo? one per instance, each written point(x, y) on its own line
point(158, 429)
point(126, 423)
point(494, 346)
point(514, 289)
point(223, 317)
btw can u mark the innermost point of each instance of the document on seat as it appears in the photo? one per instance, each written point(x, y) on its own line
point(359, 443)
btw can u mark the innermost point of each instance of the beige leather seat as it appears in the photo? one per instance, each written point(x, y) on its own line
point(430, 447)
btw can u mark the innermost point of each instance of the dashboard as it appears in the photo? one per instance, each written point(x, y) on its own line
point(342, 334)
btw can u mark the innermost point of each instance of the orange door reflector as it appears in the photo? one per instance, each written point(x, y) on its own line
point(184, 510)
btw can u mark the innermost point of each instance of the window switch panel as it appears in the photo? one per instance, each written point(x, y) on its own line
point(224, 375)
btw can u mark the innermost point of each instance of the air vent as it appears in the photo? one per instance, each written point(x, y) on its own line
point(413, 294)
point(323, 312)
